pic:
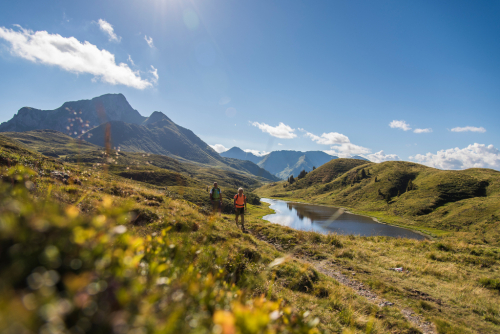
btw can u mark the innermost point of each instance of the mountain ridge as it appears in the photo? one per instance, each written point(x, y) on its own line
point(110, 121)
point(238, 153)
point(283, 163)
point(74, 117)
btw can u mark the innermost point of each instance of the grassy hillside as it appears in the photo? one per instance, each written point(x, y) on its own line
point(161, 136)
point(438, 202)
point(95, 252)
point(235, 173)
point(51, 143)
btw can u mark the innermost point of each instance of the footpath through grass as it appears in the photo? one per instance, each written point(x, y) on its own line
point(450, 282)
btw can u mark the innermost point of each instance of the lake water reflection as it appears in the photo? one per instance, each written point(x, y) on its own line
point(309, 217)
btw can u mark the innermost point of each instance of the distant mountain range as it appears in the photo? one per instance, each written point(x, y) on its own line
point(110, 121)
point(284, 163)
point(238, 153)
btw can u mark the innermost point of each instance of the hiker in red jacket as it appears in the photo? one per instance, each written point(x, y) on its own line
point(240, 205)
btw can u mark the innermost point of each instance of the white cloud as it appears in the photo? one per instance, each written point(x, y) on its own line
point(347, 150)
point(400, 125)
point(342, 146)
point(469, 128)
point(149, 40)
point(257, 153)
point(476, 155)
point(71, 55)
point(280, 144)
point(219, 148)
point(381, 157)
point(108, 29)
point(422, 130)
point(154, 72)
point(130, 60)
point(281, 131)
point(330, 138)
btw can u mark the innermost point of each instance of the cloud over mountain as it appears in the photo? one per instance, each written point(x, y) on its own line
point(330, 138)
point(219, 148)
point(347, 150)
point(476, 155)
point(256, 152)
point(71, 55)
point(381, 157)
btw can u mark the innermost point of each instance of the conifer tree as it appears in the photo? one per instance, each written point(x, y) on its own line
point(363, 173)
point(399, 193)
point(375, 179)
point(314, 167)
point(302, 174)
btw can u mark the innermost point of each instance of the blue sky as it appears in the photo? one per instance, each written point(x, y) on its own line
point(336, 74)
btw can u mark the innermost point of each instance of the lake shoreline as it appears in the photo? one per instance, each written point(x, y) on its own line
point(426, 236)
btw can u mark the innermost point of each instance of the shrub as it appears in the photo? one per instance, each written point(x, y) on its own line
point(334, 240)
point(490, 283)
point(143, 216)
point(346, 253)
point(444, 247)
point(425, 305)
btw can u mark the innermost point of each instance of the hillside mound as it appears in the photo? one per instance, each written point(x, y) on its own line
point(329, 171)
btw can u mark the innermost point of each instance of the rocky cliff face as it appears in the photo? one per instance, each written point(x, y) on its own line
point(75, 117)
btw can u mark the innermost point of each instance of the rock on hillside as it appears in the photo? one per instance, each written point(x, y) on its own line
point(74, 117)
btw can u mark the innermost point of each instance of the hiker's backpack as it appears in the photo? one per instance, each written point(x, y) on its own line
point(215, 193)
point(240, 200)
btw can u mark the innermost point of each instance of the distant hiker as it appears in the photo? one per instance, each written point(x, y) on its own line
point(240, 205)
point(216, 198)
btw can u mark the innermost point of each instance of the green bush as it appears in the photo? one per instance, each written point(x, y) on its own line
point(490, 283)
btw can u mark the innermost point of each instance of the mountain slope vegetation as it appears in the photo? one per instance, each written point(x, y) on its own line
point(51, 143)
point(164, 137)
point(139, 166)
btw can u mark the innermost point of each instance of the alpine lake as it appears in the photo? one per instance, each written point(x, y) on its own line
point(326, 219)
